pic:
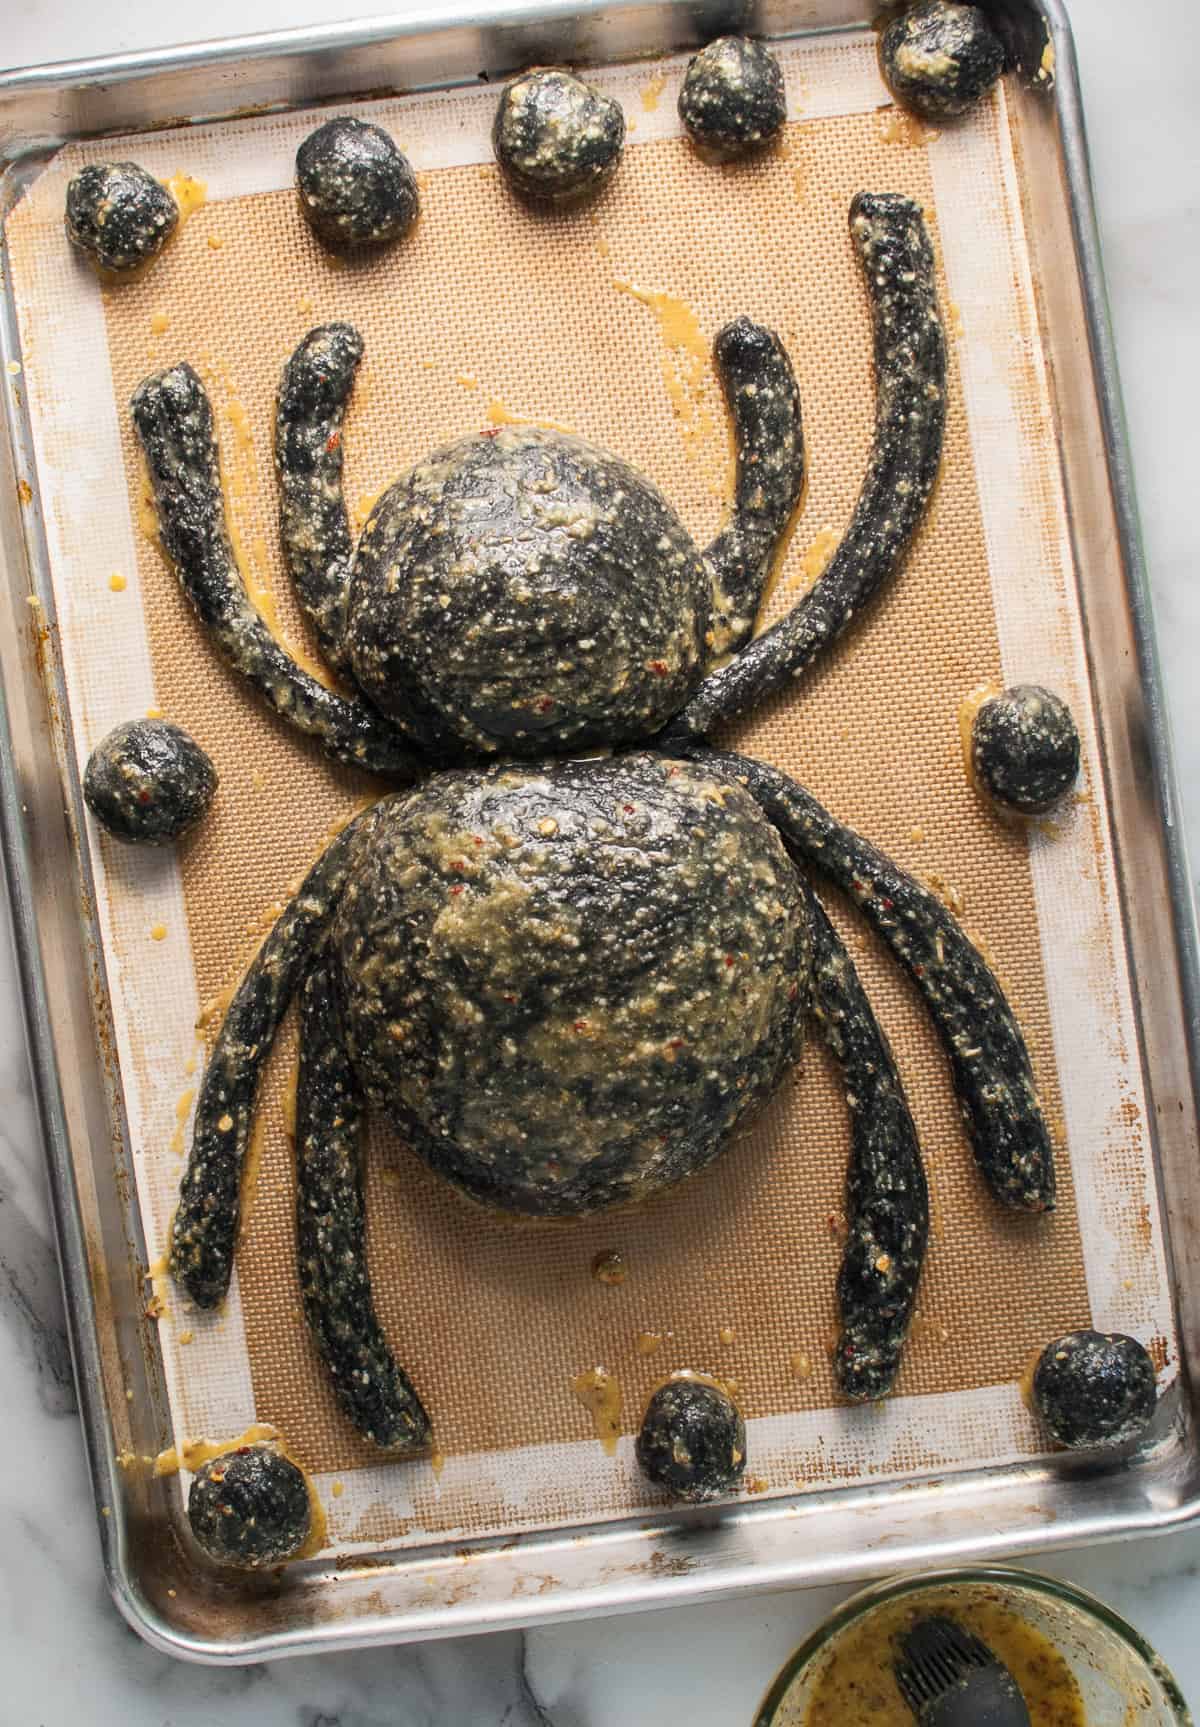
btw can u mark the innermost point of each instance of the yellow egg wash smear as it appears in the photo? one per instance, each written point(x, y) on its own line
point(183, 1108)
point(686, 373)
point(499, 415)
point(968, 709)
point(600, 1394)
point(190, 194)
point(147, 513)
point(652, 91)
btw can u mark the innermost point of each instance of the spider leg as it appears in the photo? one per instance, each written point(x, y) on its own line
point(988, 1058)
point(174, 423)
point(375, 1393)
point(910, 413)
point(764, 402)
point(313, 524)
point(887, 1200)
point(204, 1228)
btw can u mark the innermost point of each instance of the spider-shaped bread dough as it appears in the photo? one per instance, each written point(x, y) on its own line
point(566, 978)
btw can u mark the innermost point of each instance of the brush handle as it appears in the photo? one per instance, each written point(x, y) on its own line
point(984, 1697)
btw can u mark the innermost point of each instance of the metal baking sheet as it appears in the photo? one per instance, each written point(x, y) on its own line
point(538, 1575)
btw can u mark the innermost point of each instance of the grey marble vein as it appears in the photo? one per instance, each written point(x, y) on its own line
point(31, 1305)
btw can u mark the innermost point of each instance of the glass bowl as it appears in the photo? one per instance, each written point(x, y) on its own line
point(1122, 1681)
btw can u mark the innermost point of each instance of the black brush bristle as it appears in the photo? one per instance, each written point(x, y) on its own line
point(937, 1652)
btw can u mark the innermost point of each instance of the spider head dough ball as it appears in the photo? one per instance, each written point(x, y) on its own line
point(573, 611)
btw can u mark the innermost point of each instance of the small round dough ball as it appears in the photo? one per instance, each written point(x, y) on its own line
point(148, 782)
point(940, 58)
point(556, 137)
point(250, 1507)
point(692, 1440)
point(1025, 748)
point(356, 186)
point(732, 100)
point(119, 215)
point(1093, 1388)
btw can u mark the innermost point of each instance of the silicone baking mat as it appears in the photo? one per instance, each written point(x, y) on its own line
point(601, 320)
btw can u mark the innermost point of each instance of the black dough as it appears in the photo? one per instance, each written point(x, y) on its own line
point(173, 418)
point(314, 526)
point(204, 1227)
point(989, 1061)
point(1093, 1388)
point(356, 186)
point(519, 592)
point(733, 99)
point(250, 1507)
point(889, 235)
point(119, 214)
point(555, 136)
point(148, 782)
point(566, 984)
point(887, 1197)
point(1025, 748)
point(331, 1233)
point(692, 1441)
point(523, 591)
point(764, 405)
point(940, 58)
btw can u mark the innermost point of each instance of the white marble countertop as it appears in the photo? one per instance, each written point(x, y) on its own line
point(65, 1655)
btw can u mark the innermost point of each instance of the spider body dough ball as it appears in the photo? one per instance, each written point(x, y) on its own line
point(1094, 1388)
point(119, 215)
point(1025, 748)
point(148, 782)
point(250, 1507)
point(733, 98)
point(692, 1441)
point(574, 611)
point(940, 58)
point(356, 187)
point(556, 137)
point(567, 982)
